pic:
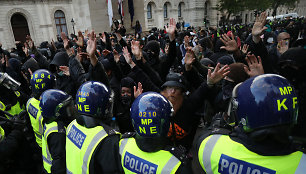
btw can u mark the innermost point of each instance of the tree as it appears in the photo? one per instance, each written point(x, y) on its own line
point(230, 7)
point(266, 4)
point(276, 3)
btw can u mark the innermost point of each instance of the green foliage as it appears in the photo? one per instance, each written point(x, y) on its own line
point(231, 6)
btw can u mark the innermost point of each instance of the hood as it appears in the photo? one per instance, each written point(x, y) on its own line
point(60, 59)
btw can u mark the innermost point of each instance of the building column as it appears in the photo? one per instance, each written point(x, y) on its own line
point(214, 13)
point(49, 23)
point(159, 18)
point(42, 25)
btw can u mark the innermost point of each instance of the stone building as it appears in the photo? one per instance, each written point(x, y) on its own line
point(192, 12)
point(45, 19)
point(300, 9)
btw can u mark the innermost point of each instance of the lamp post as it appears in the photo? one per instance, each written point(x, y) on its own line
point(73, 23)
point(217, 20)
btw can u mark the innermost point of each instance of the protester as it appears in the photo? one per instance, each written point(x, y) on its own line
point(195, 69)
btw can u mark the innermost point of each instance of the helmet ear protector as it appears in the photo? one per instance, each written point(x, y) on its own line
point(9, 82)
point(232, 107)
point(68, 106)
point(110, 106)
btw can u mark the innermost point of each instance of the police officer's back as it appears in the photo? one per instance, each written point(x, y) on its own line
point(266, 109)
point(41, 80)
point(56, 108)
point(92, 146)
point(150, 151)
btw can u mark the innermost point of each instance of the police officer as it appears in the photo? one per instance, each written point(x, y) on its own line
point(56, 108)
point(150, 151)
point(11, 99)
point(266, 109)
point(91, 145)
point(41, 80)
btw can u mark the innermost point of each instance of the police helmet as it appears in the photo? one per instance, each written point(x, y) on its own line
point(150, 113)
point(41, 80)
point(55, 103)
point(94, 99)
point(264, 101)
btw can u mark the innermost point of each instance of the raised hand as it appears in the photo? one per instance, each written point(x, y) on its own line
point(91, 48)
point(230, 43)
point(118, 35)
point(79, 54)
point(136, 50)
point(217, 75)
point(65, 40)
point(116, 56)
point(80, 41)
point(29, 42)
point(125, 50)
point(254, 66)
point(245, 48)
point(138, 91)
point(259, 27)
point(105, 52)
point(26, 49)
point(103, 37)
point(65, 70)
point(128, 57)
point(91, 44)
point(189, 58)
point(170, 29)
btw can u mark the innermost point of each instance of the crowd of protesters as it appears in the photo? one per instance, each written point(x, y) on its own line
point(195, 68)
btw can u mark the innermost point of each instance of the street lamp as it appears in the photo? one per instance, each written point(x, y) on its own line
point(73, 23)
point(217, 20)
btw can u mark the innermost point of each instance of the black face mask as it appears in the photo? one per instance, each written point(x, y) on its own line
point(227, 88)
point(126, 100)
point(152, 58)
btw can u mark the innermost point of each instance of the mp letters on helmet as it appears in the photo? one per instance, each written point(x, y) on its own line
point(281, 103)
point(138, 165)
point(39, 79)
point(81, 99)
point(229, 165)
point(147, 127)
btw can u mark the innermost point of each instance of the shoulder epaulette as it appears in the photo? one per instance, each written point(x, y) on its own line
point(180, 153)
point(128, 135)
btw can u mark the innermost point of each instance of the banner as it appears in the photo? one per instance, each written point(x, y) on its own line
point(110, 12)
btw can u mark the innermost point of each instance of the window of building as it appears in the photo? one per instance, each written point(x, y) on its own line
point(179, 10)
point(60, 22)
point(165, 10)
point(149, 11)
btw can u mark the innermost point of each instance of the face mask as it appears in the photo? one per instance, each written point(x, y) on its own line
point(61, 73)
point(126, 100)
point(151, 58)
point(227, 88)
